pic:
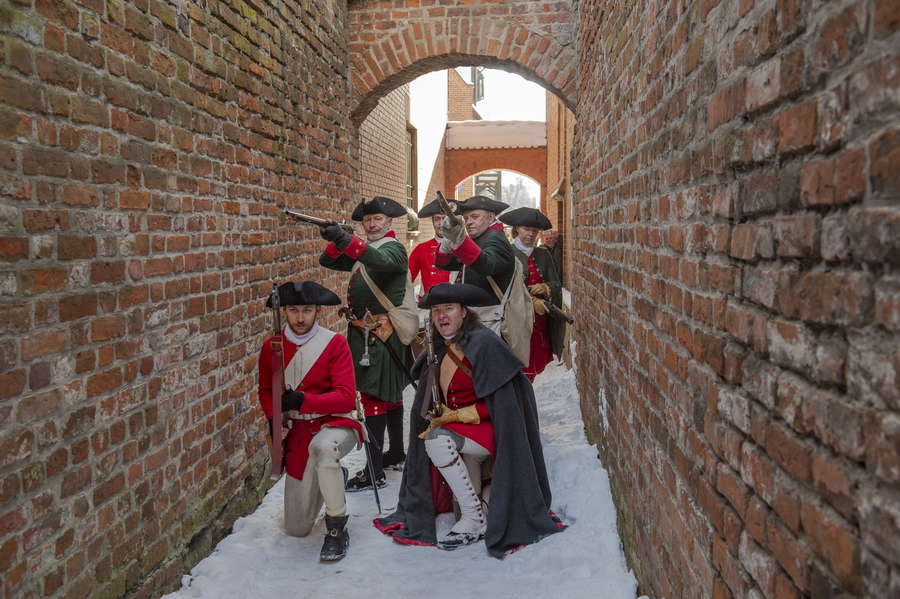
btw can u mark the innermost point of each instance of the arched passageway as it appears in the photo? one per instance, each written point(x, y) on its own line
point(531, 162)
point(391, 45)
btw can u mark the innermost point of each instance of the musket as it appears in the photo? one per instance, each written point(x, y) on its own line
point(554, 310)
point(276, 443)
point(319, 222)
point(447, 208)
point(437, 404)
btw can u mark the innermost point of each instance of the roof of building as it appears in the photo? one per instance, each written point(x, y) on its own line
point(471, 135)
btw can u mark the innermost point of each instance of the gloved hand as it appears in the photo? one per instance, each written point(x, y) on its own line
point(453, 233)
point(466, 415)
point(292, 400)
point(540, 289)
point(335, 234)
point(540, 306)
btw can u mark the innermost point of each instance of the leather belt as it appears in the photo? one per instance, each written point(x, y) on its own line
point(380, 325)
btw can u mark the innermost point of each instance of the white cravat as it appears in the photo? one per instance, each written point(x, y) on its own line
point(525, 250)
point(300, 340)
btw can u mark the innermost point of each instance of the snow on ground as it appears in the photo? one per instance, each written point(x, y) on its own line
point(586, 560)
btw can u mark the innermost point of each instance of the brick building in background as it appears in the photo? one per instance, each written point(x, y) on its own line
point(558, 203)
point(734, 256)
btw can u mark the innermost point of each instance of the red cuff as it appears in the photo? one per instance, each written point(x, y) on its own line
point(331, 251)
point(442, 259)
point(468, 252)
point(356, 248)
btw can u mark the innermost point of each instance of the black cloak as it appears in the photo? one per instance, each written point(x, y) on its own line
point(519, 511)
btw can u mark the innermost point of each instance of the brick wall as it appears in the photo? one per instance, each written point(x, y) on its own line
point(558, 204)
point(459, 98)
point(737, 242)
point(147, 150)
point(382, 152)
point(465, 163)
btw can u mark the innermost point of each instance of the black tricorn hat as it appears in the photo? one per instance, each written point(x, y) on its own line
point(460, 293)
point(304, 293)
point(378, 205)
point(481, 203)
point(526, 217)
point(434, 207)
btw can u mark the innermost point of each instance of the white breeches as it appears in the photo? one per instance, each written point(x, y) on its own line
point(444, 447)
point(323, 481)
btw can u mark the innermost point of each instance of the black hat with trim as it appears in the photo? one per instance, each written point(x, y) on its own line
point(481, 203)
point(378, 205)
point(460, 293)
point(526, 217)
point(434, 207)
point(304, 293)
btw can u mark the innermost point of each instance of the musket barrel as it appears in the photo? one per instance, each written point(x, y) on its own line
point(315, 220)
point(447, 208)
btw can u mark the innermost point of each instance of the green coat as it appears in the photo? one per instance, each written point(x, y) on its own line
point(496, 260)
point(387, 266)
point(543, 262)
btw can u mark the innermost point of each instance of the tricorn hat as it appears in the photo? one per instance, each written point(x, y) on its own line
point(378, 205)
point(434, 207)
point(481, 203)
point(526, 217)
point(460, 293)
point(304, 293)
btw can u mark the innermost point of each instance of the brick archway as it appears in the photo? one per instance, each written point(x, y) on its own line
point(531, 162)
point(391, 46)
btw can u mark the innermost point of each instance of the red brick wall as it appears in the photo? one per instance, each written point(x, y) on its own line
point(382, 152)
point(560, 134)
point(462, 164)
point(736, 251)
point(459, 98)
point(146, 151)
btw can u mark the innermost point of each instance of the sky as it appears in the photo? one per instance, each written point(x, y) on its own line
point(585, 560)
point(510, 97)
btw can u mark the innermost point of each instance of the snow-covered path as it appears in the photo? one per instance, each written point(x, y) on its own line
point(586, 560)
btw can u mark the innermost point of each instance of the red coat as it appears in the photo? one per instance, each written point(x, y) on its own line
point(330, 388)
point(541, 348)
point(421, 260)
point(461, 393)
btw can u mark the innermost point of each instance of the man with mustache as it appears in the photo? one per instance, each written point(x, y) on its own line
point(378, 262)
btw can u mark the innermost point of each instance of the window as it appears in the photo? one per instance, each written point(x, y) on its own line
point(478, 84)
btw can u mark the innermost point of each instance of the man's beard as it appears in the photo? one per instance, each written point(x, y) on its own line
point(375, 236)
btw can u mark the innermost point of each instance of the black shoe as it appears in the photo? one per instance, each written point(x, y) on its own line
point(361, 482)
point(455, 540)
point(337, 539)
point(393, 461)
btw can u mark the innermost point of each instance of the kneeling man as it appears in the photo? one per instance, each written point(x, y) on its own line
point(317, 404)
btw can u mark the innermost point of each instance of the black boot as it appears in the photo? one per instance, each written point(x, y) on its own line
point(393, 461)
point(337, 539)
point(362, 482)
